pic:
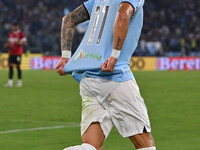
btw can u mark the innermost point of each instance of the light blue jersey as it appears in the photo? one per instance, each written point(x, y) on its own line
point(97, 43)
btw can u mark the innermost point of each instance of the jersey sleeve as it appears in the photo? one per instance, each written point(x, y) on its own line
point(89, 5)
point(135, 3)
point(22, 37)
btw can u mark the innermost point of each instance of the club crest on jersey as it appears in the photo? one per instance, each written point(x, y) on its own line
point(82, 55)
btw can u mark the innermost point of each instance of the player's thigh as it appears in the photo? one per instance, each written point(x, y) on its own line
point(128, 110)
point(96, 121)
point(93, 112)
point(11, 61)
point(142, 140)
point(18, 59)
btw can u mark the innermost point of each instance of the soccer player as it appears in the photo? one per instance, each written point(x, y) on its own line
point(110, 94)
point(16, 41)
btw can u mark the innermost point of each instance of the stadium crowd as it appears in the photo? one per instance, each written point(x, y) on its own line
point(171, 27)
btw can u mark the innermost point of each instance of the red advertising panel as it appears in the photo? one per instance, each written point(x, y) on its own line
point(178, 63)
point(44, 63)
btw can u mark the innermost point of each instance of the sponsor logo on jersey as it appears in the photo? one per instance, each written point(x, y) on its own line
point(82, 55)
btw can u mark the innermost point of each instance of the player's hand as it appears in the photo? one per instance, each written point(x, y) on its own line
point(109, 65)
point(59, 67)
point(18, 43)
point(6, 45)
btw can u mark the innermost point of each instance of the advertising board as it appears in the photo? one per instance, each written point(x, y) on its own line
point(143, 63)
point(44, 63)
point(178, 63)
point(25, 64)
point(39, 62)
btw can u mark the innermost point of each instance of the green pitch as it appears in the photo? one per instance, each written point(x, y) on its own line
point(44, 114)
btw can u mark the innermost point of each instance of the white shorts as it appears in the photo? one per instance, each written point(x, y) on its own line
point(113, 103)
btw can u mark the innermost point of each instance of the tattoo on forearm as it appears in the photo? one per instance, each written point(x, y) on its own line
point(118, 42)
point(69, 24)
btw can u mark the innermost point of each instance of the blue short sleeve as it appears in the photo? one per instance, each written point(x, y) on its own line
point(89, 5)
point(135, 3)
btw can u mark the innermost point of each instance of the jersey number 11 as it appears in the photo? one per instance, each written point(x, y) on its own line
point(99, 10)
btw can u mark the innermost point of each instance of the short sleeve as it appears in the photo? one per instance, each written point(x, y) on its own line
point(22, 37)
point(135, 3)
point(89, 5)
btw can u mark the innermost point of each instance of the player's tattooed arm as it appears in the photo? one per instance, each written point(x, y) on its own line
point(121, 25)
point(69, 23)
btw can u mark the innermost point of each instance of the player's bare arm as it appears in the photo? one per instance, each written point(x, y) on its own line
point(6, 45)
point(69, 23)
point(120, 30)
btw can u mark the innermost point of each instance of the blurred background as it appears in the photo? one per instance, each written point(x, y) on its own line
point(45, 113)
point(171, 28)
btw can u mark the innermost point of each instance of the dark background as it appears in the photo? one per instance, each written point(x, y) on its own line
point(171, 28)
